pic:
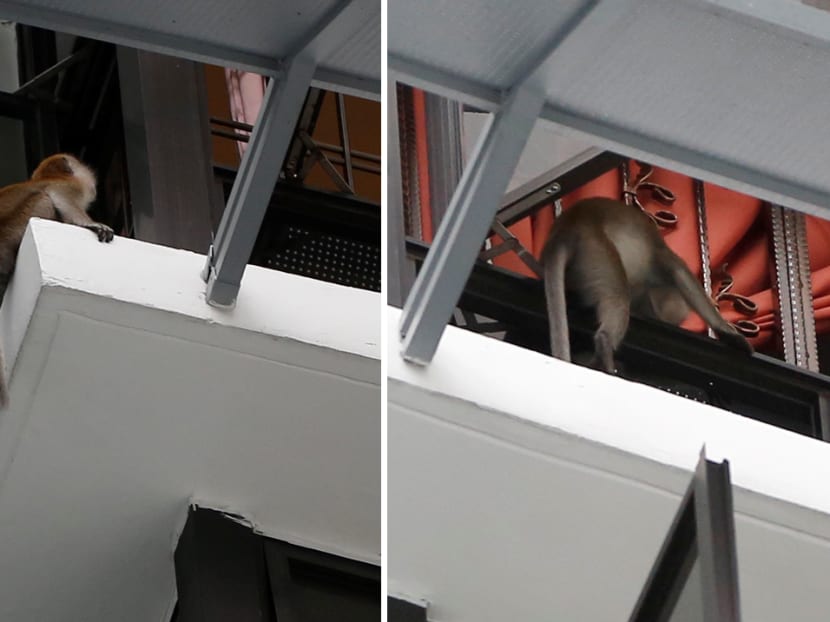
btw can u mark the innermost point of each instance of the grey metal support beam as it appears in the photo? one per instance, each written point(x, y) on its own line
point(400, 271)
point(466, 223)
point(255, 182)
point(267, 148)
point(478, 196)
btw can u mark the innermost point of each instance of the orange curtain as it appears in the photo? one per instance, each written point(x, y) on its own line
point(738, 237)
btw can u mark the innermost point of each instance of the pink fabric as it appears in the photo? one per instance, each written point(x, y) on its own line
point(245, 91)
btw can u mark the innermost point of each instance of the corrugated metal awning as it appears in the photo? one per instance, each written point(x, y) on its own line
point(732, 91)
point(253, 34)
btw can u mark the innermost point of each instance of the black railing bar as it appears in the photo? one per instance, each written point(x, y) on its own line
point(362, 155)
point(237, 125)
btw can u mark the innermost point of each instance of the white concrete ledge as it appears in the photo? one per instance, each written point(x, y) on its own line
point(532, 389)
point(521, 487)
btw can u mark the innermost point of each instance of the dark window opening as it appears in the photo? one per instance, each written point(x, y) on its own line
point(151, 127)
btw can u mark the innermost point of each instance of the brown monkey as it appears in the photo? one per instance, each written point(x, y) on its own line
point(614, 258)
point(61, 188)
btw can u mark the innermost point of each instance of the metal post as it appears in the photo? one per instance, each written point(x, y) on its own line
point(255, 181)
point(466, 223)
point(716, 541)
point(400, 271)
point(793, 288)
point(703, 240)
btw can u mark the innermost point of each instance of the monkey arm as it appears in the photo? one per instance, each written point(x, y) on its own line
point(70, 213)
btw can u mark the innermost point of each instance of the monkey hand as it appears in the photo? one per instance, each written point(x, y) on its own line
point(104, 233)
point(734, 339)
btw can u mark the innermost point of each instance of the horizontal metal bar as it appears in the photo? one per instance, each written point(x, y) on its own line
point(358, 167)
point(347, 83)
point(555, 183)
point(237, 125)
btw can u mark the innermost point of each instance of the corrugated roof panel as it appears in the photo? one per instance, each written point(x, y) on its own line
point(488, 41)
point(361, 56)
point(739, 91)
point(252, 34)
point(267, 28)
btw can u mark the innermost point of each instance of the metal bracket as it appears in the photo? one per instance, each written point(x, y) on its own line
point(793, 287)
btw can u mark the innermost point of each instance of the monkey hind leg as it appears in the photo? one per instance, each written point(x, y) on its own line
point(605, 287)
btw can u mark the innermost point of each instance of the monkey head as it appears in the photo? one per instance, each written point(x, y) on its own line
point(63, 166)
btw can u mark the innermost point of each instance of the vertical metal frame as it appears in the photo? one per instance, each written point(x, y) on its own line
point(446, 153)
point(793, 287)
point(703, 529)
point(400, 273)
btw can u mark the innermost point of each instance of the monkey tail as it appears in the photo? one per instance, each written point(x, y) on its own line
point(554, 273)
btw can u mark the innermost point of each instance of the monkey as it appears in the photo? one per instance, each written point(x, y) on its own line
point(613, 257)
point(61, 188)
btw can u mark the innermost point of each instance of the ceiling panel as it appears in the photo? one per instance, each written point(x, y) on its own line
point(252, 34)
point(488, 41)
point(718, 89)
point(735, 90)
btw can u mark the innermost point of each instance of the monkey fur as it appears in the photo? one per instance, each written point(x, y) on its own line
point(62, 188)
point(613, 257)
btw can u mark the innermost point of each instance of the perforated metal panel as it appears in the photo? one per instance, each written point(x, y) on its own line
point(326, 256)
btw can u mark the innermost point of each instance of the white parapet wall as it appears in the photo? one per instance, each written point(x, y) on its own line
point(131, 398)
point(522, 487)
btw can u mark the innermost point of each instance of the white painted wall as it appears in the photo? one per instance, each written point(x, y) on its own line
point(131, 398)
point(521, 487)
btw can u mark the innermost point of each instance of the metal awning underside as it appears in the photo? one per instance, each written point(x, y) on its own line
point(332, 44)
point(252, 34)
point(732, 91)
